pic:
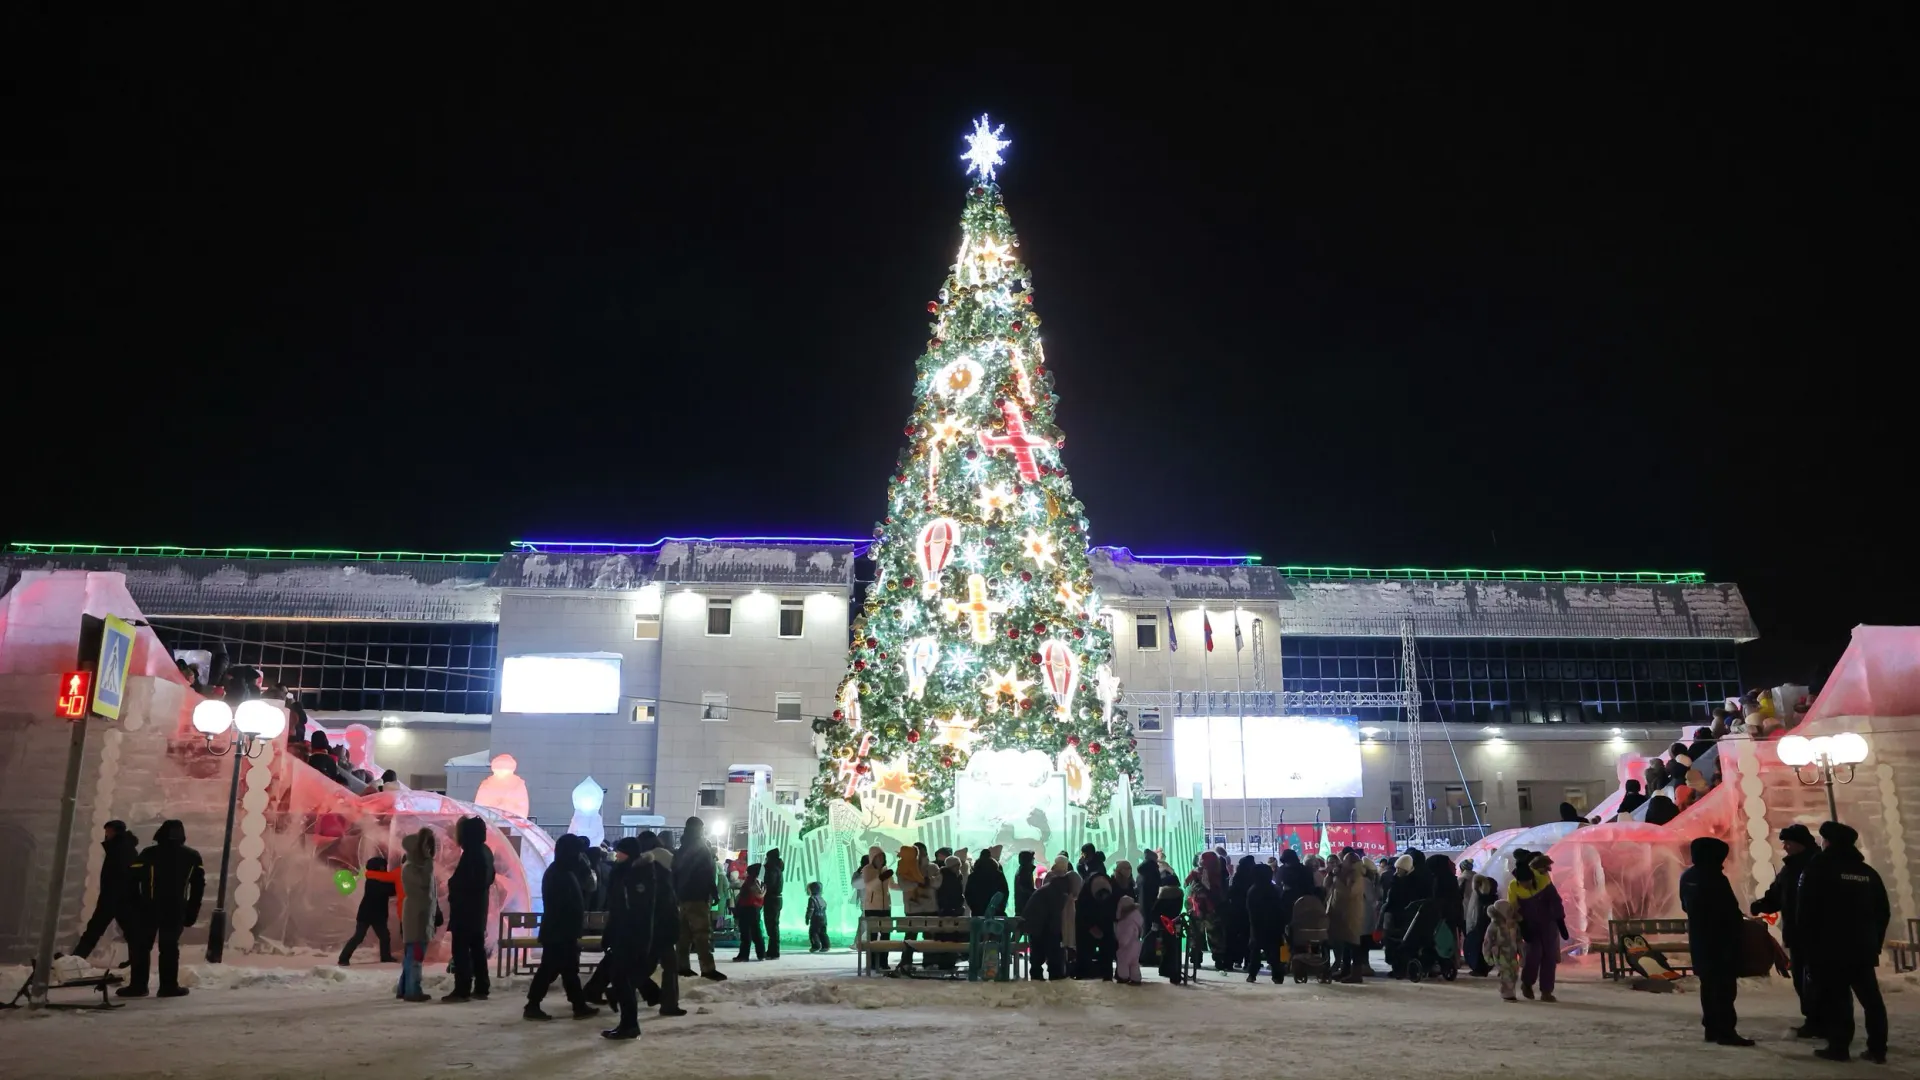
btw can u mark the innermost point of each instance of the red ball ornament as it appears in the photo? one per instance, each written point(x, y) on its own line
point(1013, 633)
point(906, 583)
point(1025, 575)
point(1039, 628)
point(1026, 704)
point(1059, 441)
point(863, 768)
point(839, 714)
point(1018, 326)
point(972, 454)
point(883, 656)
point(933, 306)
point(1073, 740)
point(1075, 527)
point(1079, 632)
point(1034, 659)
point(859, 665)
point(947, 761)
point(1027, 299)
point(873, 643)
point(1093, 748)
point(909, 429)
point(914, 735)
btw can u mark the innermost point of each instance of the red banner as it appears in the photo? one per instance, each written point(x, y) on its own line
point(1367, 837)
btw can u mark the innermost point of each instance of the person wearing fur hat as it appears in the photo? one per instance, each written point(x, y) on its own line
point(1023, 883)
point(1127, 925)
point(1842, 924)
point(918, 893)
point(1543, 922)
point(1783, 898)
point(1713, 939)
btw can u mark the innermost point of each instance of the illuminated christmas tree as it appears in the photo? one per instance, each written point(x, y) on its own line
point(981, 629)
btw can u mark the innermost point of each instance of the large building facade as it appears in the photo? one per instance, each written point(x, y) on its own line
point(712, 656)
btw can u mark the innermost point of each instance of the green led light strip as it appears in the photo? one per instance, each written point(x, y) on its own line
point(1412, 573)
point(167, 551)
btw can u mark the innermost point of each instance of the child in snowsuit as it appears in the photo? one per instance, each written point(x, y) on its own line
point(816, 919)
point(1501, 947)
point(1126, 942)
point(746, 915)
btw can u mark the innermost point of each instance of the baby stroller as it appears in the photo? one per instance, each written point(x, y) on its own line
point(1408, 936)
point(1308, 931)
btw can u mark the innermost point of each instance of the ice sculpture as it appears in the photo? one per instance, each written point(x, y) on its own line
point(503, 790)
point(588, 795)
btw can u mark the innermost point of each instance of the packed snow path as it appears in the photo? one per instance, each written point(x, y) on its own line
point(808, 1017)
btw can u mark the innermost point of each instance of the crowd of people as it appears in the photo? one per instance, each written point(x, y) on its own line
point(152, 895)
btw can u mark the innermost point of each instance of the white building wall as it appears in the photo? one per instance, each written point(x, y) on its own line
point(751, 666)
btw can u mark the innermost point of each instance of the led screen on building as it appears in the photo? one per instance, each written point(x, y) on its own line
point(1286, 757)
point(564, 683)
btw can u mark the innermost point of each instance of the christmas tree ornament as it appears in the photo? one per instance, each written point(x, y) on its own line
point(1017, 441)
point(937, 543)
point(995, 502)
point(923, 655)
point(957, 732)
point(959, 380)
point(979, 608)
point(1060, 668)
point(1007, 684)
point(1039, 548)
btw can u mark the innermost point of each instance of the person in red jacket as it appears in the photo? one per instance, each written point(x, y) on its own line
point(746, 915)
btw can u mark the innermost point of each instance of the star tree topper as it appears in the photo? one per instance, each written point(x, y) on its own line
point(983, 148)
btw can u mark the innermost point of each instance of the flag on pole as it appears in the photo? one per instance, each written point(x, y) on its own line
point(1173, 639)
point(1206, 629)
point(1238, 643)
point(1326, 843)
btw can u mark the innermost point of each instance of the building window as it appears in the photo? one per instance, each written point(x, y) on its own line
point(639, 797)
point(1146, 631)
point(713, 706)
point(719, 618)
point(793, 617)
point(712, 795)
point(786, 707)
point(646, 627)
point(643, 712)
point(786, 795)
point(1149, 720)
point(434, 782)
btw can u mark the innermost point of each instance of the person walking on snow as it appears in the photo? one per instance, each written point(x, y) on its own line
point(1713, 939)
point(693, 884)
point(419, 911)
point(561, 925)
point(1543, 924)
point(816, 920)
point(773, 883)
point(641, 925)
point(469, 892)
point(1126, 942)
point(168, 883)
point(1501, 945)
point(113, 903)
point(375, 896)
point(747, 908)
point(1843, 921)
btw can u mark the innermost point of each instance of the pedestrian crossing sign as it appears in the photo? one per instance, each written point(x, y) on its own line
point(116, 659)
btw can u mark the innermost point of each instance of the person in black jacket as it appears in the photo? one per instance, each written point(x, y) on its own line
point(1713, 939)
point(773, 873)
point(116, 881)
point(168, 884)
point(987, 881)
point(1023, 883)
point(694, 883)
point(1147, 876)
point(642, 925)
point(1043, 919)
point(1783, 898)
point(561, 925)
point(1631, 799)
point(375, 896)
point(1233, 919)
point(1266, 918)
point(469, 891)
point(1842, 924)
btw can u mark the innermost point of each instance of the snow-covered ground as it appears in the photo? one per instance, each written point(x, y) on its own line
point(808, 1018)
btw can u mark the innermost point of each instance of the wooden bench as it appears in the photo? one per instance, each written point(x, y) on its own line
point(1906, 954)
point(519, 937)
point(922, 925)
point(1660, 934)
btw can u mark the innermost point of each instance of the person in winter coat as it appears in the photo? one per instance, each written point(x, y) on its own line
point(1568, 813)
point(1842, 923)
point(1164, 920)
point(694, 885)
point(1543, 924)
point(1501, 945)
point(1478, 907)
point(669, 934)
point(1149, 875)
point(1127, 925)
point(919, 894)
point(773, 881)
point(468, 892)
point(1205, 901)
point(1233, 917)
point(1094, 914)
point(1448, 909)
point(1783, 898)
point(1070, 942)
point(1348, 911)
point(874, 883)
point(1023, 883)
point(1124, 884)
point(748, 906)
point(113, 903)
point(1296, 881)
point(1713, 939)
point(988, 880)
point(642, 921)
point(419, 910)
point(168, 884)
point(1396, 914)
point(1631, 800)
point(1046, 921)
point(816, 920)
point(561, 925)
point(375, 897)
point(1266, 920)
point(1656, 778)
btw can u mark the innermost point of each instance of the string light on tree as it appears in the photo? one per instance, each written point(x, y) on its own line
point(980, 492)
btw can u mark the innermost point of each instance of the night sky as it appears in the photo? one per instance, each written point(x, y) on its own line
point(1561, 289)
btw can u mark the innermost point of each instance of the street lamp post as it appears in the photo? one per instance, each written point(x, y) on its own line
point(1825, 756)
point(250, 727)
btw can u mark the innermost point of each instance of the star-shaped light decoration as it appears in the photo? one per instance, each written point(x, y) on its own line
point(1069, 595)
point(992, 256)
point(973, 556)
point(1006, 683)
point(896, 778)
point(956, 732)
point(994, 499)
point(1038, 547)
point(947, 432)
point(983, 148)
